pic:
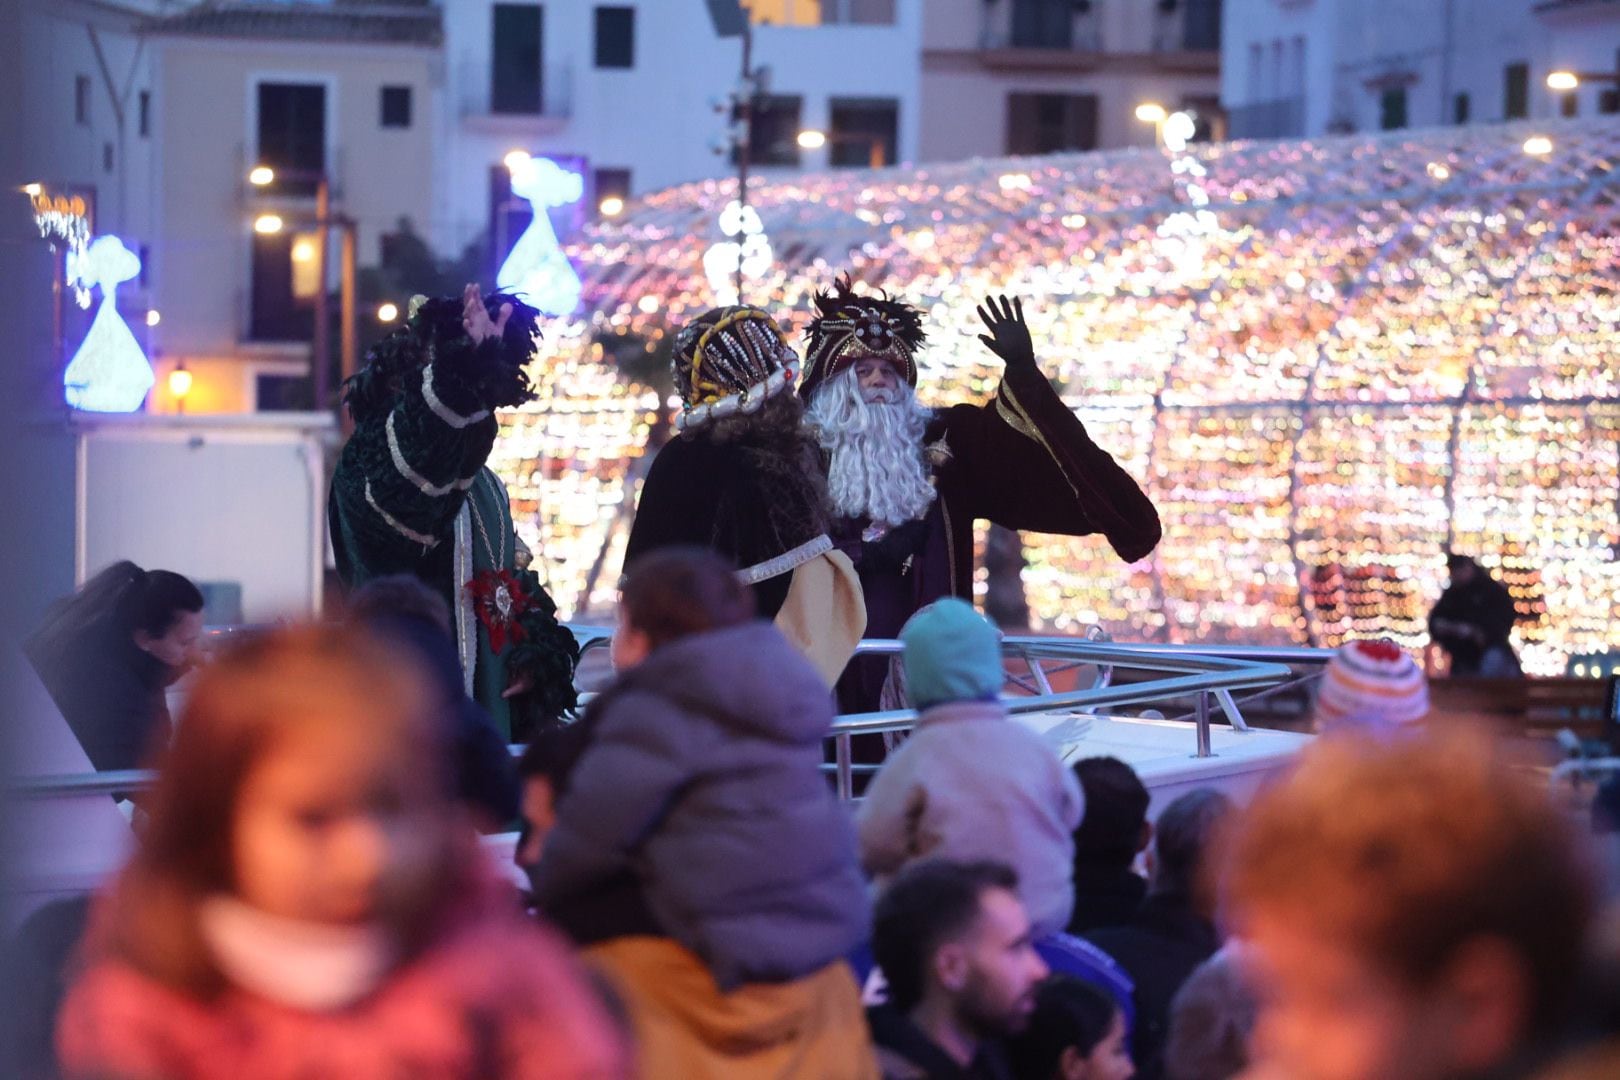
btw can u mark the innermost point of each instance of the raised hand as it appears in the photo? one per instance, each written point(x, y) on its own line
point(1009, 334)
point(475, 316)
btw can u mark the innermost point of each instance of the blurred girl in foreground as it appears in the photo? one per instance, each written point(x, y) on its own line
point(307, 901)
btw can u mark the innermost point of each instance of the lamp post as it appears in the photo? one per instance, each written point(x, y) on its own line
point(811, 139)
point(262, 176)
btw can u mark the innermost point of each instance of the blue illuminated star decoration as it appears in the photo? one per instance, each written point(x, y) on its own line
point(110, 372)
point(536, 269)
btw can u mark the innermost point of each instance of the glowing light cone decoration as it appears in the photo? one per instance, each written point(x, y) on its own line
point(537, 269)
point(1329, 362)
point(109, 373)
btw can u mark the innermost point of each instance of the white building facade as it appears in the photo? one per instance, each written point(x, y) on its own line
point(1294, 68)
point(623, 91)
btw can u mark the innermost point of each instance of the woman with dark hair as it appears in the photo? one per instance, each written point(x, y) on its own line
point(108, 653)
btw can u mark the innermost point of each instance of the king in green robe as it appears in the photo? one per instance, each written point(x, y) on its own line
point(412, 494)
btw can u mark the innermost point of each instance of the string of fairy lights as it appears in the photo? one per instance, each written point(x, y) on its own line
point(1327, 362)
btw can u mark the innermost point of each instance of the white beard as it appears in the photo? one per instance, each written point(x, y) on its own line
point(877, 468)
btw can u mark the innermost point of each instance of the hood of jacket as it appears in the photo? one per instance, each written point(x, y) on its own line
point(748, 678)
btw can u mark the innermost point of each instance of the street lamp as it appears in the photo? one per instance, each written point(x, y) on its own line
point(387, 312)
point(179, 385)
point(1563, 80)
point(1151, 112)
point(1538, 146)
point(612, 206)
point(267, 224)
point(811, 139)
point(261, 176)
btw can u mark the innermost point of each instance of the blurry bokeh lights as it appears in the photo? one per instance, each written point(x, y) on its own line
point(1367, 351)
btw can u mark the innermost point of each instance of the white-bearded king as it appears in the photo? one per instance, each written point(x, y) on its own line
point(906, 482)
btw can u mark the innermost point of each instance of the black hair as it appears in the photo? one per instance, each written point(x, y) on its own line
point(1069, 1012)
point(925, 906)
point(435, 326)
point(1184, 836)
point(135, 600)
point(1116, 810)
point(399, 596)
point(552, 754)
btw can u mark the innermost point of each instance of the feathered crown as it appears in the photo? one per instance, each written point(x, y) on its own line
point(850, 327)
point(730, 360)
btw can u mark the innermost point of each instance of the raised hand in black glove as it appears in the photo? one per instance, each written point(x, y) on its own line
point(1009, 334)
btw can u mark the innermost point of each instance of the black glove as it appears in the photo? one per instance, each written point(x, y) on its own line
point(1009, 334)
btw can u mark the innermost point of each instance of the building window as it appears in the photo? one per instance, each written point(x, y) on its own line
point(1048, 123)
point(1568, 105)
point(81, 99)
point(1392, 109)
point(1609, 102)
point(1460, 108)
point(395, 107)
point(615, 37)
point(1201, 26)
point(106, 157)
point(1516, 92)
point(292, 135)
point(857, 12)
point(1043, 24)
point(144, 252)
point(863, 131)
point(611, 183)
point(515, 57)
point(144, 108)
point(774, 133)
point(275, 313)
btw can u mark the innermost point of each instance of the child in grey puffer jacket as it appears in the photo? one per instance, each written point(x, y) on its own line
point(702, 781)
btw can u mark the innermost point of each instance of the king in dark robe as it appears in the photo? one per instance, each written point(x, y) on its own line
point(905, 483)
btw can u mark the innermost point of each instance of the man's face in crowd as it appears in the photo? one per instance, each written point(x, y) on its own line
point(879, 382)
point(1327, 1012)
point(993, 970)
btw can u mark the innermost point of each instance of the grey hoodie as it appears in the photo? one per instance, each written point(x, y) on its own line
point(703, 778)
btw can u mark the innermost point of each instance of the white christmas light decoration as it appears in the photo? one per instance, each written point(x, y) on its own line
point(536, 269)
point(746, 244)
point(109, 373)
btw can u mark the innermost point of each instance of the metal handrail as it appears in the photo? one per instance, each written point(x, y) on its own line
point(1206, 674)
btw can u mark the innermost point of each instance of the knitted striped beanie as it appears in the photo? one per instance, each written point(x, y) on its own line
point(1371, 685)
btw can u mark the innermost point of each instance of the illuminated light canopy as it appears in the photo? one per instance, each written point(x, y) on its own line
point(1325, 368)
point(536, 268)
point(109, 372)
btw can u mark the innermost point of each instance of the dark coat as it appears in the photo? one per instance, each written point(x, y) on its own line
point(1484, 603)
point(905, 1052)
point(703, 777)
point(111, 693)
point(484, 773)
point(1159, 948)
point(1104, 896)
point(735, 498)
